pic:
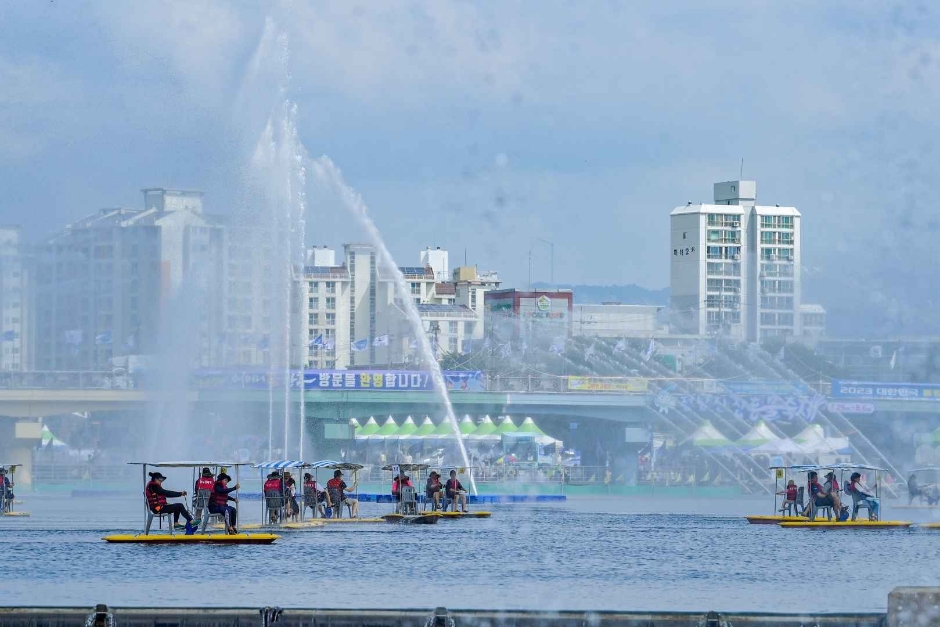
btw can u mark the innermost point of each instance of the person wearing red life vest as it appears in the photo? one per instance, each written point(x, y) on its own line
point(455, 492)
point(157, 501)
point(314, 496)
point(274, 493)
point(6, 490)
point(791, 494)
point(218, 502)
point(434, 490)
point(336, 488)
point(205, 483)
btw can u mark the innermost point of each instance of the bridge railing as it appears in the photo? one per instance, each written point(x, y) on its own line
point(67, 380)
point(119, 380)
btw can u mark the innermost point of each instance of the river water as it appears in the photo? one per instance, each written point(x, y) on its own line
point(585, 554)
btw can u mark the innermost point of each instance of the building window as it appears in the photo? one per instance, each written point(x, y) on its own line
point(468, 329)
point(331, 319)
point(452, 344)
point(452, 328)
point(313, 319)
point(330, 302)
point(415, 289)
point(315, 302)
point(314, 287)
point(330, 287)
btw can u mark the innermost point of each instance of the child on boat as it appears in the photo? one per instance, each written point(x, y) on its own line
point(790, 504)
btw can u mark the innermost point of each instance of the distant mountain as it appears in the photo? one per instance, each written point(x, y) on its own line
point(625, 294)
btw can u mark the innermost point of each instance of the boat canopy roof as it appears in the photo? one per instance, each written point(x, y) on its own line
point(335, 465)
point(839, 466)
point(283, 463)
point(406, 467)
point(190, 464)
point(10, 466)
point(923, 469)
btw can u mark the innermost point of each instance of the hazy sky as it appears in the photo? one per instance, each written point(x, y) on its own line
point(487, 125)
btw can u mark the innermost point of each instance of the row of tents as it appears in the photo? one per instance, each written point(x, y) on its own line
point(761, 440)
point(485, 430)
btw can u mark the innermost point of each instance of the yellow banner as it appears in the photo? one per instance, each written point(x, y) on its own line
point(607, 384)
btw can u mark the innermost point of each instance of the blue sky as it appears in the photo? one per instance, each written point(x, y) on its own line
point(487, 125)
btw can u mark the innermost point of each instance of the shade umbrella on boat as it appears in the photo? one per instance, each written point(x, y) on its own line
point(506, 426)
point(758, 435)
point(707, 436)
point(406, 430)
point(486, 430)
point(425, 429)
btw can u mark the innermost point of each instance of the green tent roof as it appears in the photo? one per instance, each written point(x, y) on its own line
point(444, 429)
point(426, 428)
point(485, 428)
point(407, 428)
point(467, 427)
point(528, 426)
point(388, 428)
point(370, 428)
point(507, 426)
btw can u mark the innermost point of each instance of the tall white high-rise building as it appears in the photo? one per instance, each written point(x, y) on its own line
point(14, 302)
point(735, 266)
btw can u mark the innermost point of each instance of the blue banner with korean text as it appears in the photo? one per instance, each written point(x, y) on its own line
point(886, 391)
point(397, 380)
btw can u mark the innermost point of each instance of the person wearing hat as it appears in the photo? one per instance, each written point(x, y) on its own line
point(157, 497)
point(6, 490)
point(313, 496)
point(218, 502)
point(336, 488)
point(455, 491)
point(204, 486)
point(434, 489)
point(290, 495)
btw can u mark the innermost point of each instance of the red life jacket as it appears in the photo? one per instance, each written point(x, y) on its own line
point(273, 485)
point(396, 488)
point(154, 501)
point(205, 483)
point(311, 485)
point(218, 498)
point(792, 493)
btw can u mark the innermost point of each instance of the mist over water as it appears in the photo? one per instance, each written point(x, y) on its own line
point(330, 174)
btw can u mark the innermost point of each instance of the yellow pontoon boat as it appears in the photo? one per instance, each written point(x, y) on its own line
point(6, 492)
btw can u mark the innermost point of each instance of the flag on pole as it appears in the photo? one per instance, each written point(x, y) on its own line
point(412, 343)
point(74, 336)
point(103, 338)
point(131, 342)
point(621, 345)
point(894, 360)
point(315, 342)
point(467, 347)
point(381, 340)
point(558, 345)
point(360, 345)
point(782, 352)
point(9, 336)
point(265, 343)
point(329, 343)
point(589, 353)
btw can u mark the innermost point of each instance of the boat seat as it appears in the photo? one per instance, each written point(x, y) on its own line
point(409, 501)
point(160, 516)
point(274, 506)
point(860, 502)
point(311, 501)
point(336, 498)
point(815, 511)
point(201, 511)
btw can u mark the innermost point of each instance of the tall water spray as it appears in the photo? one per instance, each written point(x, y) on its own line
point(327, 172)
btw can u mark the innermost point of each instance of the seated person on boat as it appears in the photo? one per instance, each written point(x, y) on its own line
point(434, 490)
point(157, 501)
point(218, 502)
point(455, 492)
point(274, 496)
point(862, 494)
point(205, 484)
point(336, 488)
point(913, 489)
point(402, 480)
point(820, 497)
point(6, 485)
point(791, 504)
point(290, 494)
point(313, 496)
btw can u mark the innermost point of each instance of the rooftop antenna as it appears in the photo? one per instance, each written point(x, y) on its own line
point(742, 169)
point(465, 256)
